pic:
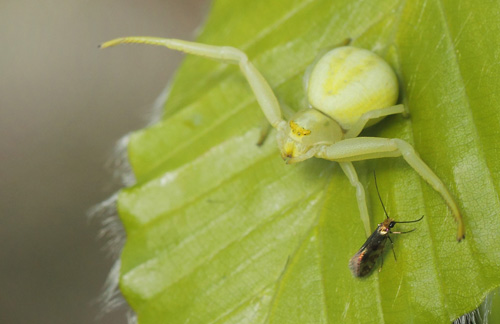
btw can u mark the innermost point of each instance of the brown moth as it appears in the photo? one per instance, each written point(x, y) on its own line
point(362, 263)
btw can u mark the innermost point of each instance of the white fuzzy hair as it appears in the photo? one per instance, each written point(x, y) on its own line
point(112, 231)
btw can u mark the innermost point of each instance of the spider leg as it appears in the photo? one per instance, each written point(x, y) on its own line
point(264, 133)
point(262, 90)
point(351, 174)
point(364, 148)
point(373, 114)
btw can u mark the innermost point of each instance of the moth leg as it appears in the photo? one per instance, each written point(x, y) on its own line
point(392, 247)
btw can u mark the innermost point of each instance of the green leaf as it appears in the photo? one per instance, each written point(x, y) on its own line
point(220, 230)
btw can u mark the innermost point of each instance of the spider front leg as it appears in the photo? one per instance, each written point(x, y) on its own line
point(351, 174)
point(364, 148)
point(262, 90)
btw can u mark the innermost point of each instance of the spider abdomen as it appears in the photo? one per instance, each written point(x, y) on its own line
point(349, 81)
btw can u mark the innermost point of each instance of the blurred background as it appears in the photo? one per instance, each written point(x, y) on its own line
point(63, 106)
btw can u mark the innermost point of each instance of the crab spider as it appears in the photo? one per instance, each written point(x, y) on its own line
point(349, 89)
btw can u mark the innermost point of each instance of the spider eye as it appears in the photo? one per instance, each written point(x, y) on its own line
point(391, 224)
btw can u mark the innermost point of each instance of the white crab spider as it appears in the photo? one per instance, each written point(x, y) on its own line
point(349, 88)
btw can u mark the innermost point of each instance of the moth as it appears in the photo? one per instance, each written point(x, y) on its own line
point(362, 263)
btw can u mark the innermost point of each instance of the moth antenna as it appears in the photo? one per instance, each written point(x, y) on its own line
point(380, 198)
point(413, 221)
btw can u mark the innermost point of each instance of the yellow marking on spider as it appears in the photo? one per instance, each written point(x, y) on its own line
point(297, 130)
